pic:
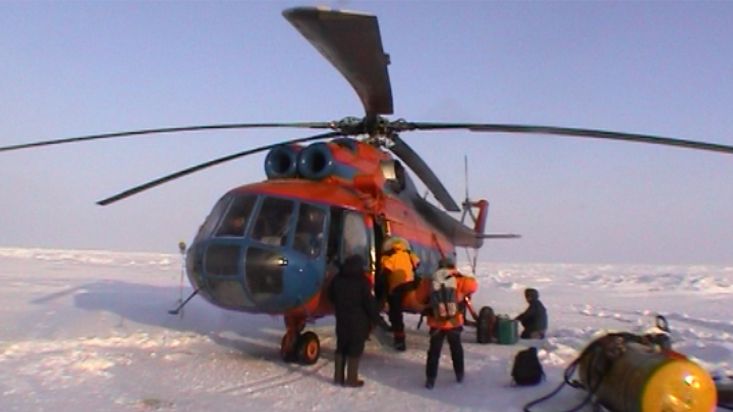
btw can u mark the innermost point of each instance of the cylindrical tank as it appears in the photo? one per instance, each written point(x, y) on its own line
point(507, 330)
point(643, 378)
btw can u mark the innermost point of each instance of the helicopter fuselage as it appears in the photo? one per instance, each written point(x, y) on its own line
point(272, 247)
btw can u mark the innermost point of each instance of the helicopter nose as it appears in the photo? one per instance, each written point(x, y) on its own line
point(251, 277)
point(279, 279)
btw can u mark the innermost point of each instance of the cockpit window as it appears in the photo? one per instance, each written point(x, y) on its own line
point(273, 222)
point(210, 223)
point(235, 221)
point(309, 231)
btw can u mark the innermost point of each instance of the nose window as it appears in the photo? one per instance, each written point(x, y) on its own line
point(222, 260)
point(264, 273)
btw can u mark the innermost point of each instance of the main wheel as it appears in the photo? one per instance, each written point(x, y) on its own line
point(309, 348)
point(485, 325)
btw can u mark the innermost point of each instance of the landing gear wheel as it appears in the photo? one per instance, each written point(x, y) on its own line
point(287, 348)
point(485, 325)
point(308, 348)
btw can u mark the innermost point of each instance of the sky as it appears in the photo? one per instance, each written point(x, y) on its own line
point(663, 68)
point(96, 323)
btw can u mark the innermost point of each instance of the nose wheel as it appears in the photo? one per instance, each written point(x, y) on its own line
point(308, 348)
point(304, 348)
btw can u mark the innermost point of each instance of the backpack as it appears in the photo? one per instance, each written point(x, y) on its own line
point(443, 296)
point(527, 369)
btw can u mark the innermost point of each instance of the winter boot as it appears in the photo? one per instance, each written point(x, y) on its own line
point(459, 377)
point(458, 369)
point(339, 369)
point(399, 342)
point(352, 373)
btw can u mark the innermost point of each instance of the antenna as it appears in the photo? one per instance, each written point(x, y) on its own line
point(467, 211)
point(465, 172)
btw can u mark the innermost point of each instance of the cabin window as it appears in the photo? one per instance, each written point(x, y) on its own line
point(355, 240)
point(237, 216)
point(309, 236)
point(272, 225)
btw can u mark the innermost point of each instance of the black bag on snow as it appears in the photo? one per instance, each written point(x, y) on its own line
point(527, 369)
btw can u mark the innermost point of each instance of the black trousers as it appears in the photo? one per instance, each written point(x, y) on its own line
point(530, 334)
point(437, 336)
point(349, 346)
point(396, 318)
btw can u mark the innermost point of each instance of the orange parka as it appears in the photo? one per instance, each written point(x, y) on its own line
point(465, 285)
point(399, 263)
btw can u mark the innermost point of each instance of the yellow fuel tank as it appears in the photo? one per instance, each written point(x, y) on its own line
point(643, 378)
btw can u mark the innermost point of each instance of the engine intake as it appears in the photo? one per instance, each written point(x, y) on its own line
point(282, 162)
point(316, 162)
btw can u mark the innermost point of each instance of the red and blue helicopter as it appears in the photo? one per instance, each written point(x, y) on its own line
point(272, 247)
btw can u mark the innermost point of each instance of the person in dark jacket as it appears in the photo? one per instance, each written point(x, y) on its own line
point(356, 311)
point(534, 318)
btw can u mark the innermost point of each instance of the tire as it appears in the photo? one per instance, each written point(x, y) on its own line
point(485, 325)
point(308, 348)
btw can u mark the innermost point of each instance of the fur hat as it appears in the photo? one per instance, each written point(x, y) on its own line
point(531, 294)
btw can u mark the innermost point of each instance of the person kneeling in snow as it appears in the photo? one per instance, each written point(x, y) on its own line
point(444, 294)
point(534, 318)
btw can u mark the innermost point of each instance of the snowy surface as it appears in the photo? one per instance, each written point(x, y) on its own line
point(89, 330)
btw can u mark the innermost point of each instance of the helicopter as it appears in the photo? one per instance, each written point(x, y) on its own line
point(272, 247)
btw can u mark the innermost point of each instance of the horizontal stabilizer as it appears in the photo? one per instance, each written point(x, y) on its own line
point(498, 236)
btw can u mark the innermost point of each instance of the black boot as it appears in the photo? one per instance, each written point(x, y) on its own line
point(352, 373)
point(399, 342)
point(430, 383)
point(339, 369)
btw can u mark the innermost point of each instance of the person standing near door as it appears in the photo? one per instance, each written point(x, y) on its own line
point(356, 311)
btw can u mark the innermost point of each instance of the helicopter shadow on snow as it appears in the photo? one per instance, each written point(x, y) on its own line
point(149, 305)
point(257, 336)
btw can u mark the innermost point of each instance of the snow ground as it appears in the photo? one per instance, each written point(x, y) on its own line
point(89, 330)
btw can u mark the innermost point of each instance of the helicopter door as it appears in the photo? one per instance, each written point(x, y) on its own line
point(381, 231)
point(349, 235)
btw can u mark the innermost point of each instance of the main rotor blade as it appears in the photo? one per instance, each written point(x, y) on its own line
point(306, 125)
point(423, 171)
point(575, 132)
point(196, 168)
point(352, 43)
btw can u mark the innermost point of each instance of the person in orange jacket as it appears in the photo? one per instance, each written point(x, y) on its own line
point(450, 327)
point(398, 268)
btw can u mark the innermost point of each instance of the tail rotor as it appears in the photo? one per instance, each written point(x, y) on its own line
point(477, 212)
